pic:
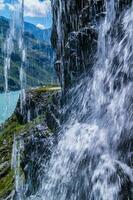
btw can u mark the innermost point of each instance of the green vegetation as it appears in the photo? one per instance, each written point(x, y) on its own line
point(6, 185)
point(11, 127)
point(40, 90)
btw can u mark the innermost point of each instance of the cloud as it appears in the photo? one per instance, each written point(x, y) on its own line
point(36, 8)
point(10, 6)
point(2, 5)
point(32, 8)
point(40, 26)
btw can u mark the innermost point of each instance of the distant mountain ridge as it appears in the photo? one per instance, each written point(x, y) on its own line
point(39, 34)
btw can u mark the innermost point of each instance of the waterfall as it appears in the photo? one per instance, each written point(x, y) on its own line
point(23, 56)
point(89, 162)
point(18, 147)
point(15, 34)
point(8, 50)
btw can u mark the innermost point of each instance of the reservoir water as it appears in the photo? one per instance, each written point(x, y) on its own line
point(7, 104)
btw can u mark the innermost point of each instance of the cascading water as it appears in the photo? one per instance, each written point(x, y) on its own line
point(15, 39)
point(8, 50)
point(23, 55)
point(15, 165)
point(14, 35)
point(89, 162)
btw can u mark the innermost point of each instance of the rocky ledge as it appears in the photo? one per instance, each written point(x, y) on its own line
point(23, 133)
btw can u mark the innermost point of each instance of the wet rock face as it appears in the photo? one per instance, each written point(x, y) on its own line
point(74, 35)
point(39, 102)
point(37, 151)
point(73, 39)
point(39, 137)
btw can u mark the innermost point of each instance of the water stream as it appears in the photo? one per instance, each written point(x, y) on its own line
point(8, 104)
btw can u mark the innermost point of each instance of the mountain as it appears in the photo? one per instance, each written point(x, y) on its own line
point(37, 32)
point(39, 60)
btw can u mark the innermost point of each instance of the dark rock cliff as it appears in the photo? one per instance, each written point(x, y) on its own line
point(38, 102)
point(74, 36)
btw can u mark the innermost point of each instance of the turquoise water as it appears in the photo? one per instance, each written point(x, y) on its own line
point(7, 104)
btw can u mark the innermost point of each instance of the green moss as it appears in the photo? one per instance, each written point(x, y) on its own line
point(6, 185)
point(11, 127)
point(6, 141)
point(45, 89)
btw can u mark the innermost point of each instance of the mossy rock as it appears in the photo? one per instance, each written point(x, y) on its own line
point(44, 89)
point(6, 185)
point(13, 126)
point(7, 178)
point(10, 128)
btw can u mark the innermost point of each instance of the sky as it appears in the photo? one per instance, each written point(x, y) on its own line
point(37, 12)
